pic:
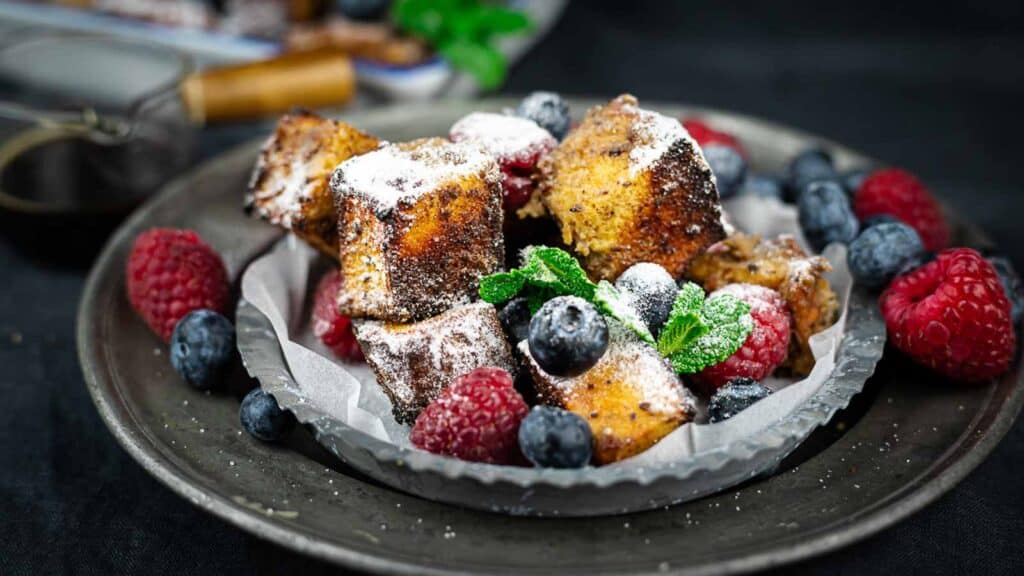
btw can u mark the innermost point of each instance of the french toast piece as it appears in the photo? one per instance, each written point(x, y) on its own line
point(289, 185)
point(415, 362)
point(783, 266)
point(630, 185)
point(419, 224)
point(631, 398)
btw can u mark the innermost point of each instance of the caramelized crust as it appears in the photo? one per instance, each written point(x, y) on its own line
point(631, 398)
point(628, 186)
point(409, 253)
point(415, 362)
point(782, 266)
point(289, 185)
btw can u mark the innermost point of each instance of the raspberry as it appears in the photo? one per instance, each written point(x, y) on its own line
point(705, 135)
point(516, 190)
point(898, 193)
point(476, 418)
point(766, 347)
point(953, 316)
point(333, 329)
point(517, 144)
point(171, 273)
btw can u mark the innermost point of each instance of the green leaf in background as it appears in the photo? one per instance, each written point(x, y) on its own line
point(501, 287)
point(487, 65)
point(729, 324)
point(609, 301)
point(499, 20)
point(684, 323)
point(422, 18)
point(462, 31)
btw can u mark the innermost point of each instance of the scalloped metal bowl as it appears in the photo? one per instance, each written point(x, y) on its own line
point(585, 492)
point(590, 491)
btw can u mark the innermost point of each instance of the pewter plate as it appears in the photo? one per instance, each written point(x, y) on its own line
point(904, 441)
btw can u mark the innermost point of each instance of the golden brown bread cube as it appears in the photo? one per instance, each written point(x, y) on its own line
point(783, 266)
point(290, 183)
point(631, 398)
point(419, 225)
point(630, 185)
point(415, 362)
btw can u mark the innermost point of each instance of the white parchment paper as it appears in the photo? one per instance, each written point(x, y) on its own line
point(280, 285)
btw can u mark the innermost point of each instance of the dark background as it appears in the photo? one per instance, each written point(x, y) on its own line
point(935, 89)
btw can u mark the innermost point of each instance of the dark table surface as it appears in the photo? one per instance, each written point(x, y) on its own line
point(937, 91)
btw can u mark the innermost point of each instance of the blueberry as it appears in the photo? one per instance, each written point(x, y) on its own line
point(363, 9)
point(203, 348)
point(555, 438)
point(515, 320)
point(825, 214)
point(735, 397)
point(728, 166)
point(567, 336)
point(263, 418)
point(651, 290)
point(882, 251)
point(762, 185)
point(808, 166)
point(548, 110)
point(879, 219)
point(1011, 284)
point(852, 179)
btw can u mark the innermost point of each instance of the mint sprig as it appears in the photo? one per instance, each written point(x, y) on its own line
point(703, 332)
point(684, 324)
point(548, 272)
point(501, 287)
point(700, 332)
point(463, 32)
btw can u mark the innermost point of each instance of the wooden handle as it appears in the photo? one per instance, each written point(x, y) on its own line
point(308, 79)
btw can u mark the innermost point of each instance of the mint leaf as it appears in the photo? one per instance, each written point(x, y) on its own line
point(501, 287)
point(462, 31)
point(426, 19)
point(557, 269)
point(611, 303)
point(729, 324)
point(689, 300)
point(536, 297)
point(545, 272)
point(498, 20)
point(684, 323)
point(487, 66)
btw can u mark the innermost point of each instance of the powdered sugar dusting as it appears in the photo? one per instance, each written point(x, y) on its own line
point(639, 366)
point(651, 290)
point(283, 195)
point(759, 298)
point(394, 173)
point(656, 134)
point(415, 362)
point(505, 137)
point(294, 190)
